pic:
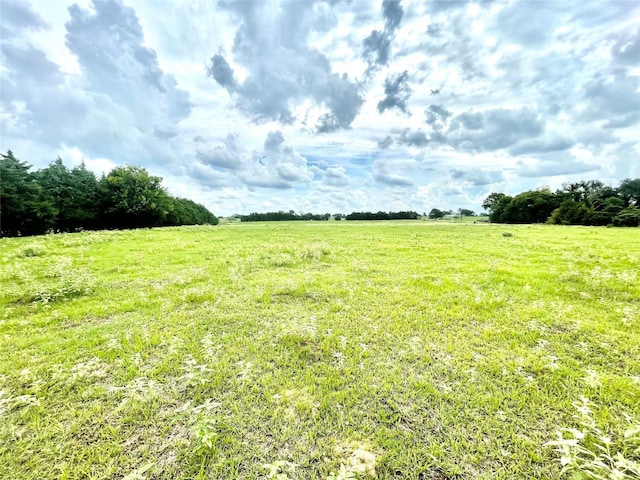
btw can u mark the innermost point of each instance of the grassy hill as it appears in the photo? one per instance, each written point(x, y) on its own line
point(411, 350)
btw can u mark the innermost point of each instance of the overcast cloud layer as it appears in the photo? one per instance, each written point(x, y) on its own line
point(329, 106)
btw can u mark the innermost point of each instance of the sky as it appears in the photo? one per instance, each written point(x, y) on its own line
point(327, 106)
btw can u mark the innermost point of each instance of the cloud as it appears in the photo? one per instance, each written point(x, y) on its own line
point(277, 166)
point(230, 155)
point(542, 145)
point(109, 45)
point(120, 105)
point(208, 176)
point(626, 50)
point(537, 168)
point(492, 129)
point(335, 177)
point(282, 71)
point(477, 177)
point(437, 116)
point(222, 72)
point(469, 121)
point(397, 92)
point(392, 12)
point(615, 98)
point(18, 15)
point(385, 143)
point(377, 46)
point(382, 174)
point(526, 24)
point(23, 63)
point(274, 141)
point(416, 138)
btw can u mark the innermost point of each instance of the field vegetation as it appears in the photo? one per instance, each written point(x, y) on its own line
point(321, 350)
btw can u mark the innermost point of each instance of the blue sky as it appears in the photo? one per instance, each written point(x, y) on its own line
point(329, 106)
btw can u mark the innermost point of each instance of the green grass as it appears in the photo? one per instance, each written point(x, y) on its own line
point(315, 350)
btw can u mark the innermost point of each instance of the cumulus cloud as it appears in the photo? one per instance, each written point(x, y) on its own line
point(437, 116)
point(230, 155)
point(121, 105)
point(416, 138)
point(377, 46)
point(109, 45)
point(278, 165)
point(488, 130)
point(626, 50)
point(385, 143)
point(477, 177)
point(222, 72)
point(397, 92)
point(541, 145)
point(541, 168)
point(18, 15)
point(614, 98)
point(336, 177)
point(382, 173)
point(282, 70)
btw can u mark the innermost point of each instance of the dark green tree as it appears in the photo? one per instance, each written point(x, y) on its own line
point(570, 212)
point(533, 206)
point(629, 191)
point(132, 198)
point(629, 217)
point(24, 209)
point(436, 214)
point(187, 212)
point(496, 204)
point(73, 193)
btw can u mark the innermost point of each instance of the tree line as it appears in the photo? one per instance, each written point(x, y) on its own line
point(59, 199)
point(281, 216)
point(409, 215)
point(579, 203)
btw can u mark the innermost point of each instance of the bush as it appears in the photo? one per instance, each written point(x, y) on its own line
point(629, 217)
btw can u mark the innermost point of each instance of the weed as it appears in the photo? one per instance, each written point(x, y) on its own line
point(589, 453)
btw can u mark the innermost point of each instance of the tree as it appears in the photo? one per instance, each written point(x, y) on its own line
point(496, 204)
point(533, 206)
point(492, 201)
point(187, 212)
point(132, 198)
point(570, 212)
point(629, 217)
point(436, 214)
point(73, 193)
point(464, 212)
point(24, 209)
point(629, 190)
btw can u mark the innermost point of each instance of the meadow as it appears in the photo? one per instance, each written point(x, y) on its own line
point(321, 350)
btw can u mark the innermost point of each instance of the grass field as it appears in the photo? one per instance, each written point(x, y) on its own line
point(325, 350)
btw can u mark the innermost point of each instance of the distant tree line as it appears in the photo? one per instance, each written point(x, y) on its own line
point(57, 199)
point(410, 215)
point(579, 203)
point(436, 213)
point(283, 216)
